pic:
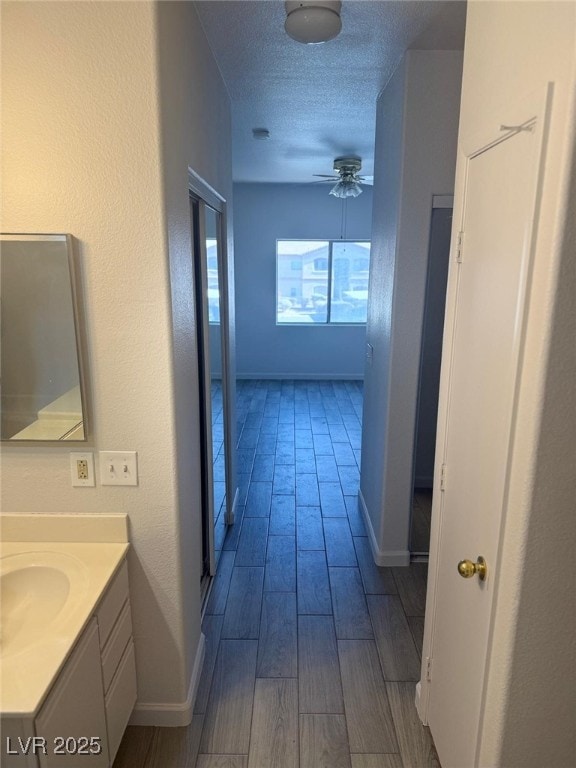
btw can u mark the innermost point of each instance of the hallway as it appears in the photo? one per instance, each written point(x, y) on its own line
point(312, 651)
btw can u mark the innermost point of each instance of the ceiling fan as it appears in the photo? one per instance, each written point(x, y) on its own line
point(348, 181)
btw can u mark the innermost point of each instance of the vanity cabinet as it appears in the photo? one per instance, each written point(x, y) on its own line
point(74, 710)
point(83, 717)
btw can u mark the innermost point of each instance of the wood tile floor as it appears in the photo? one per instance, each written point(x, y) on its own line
point(312, 651)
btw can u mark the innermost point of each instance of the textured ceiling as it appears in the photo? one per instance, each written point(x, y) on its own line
point(317, 101)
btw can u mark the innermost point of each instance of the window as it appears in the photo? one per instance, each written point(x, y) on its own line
point(212, 274)
point(320, 265)
point(330, 286)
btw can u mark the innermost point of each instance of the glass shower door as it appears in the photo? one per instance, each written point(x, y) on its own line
point(215, 370)
point(211, 313)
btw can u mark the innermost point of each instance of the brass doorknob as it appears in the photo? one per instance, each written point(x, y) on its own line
point(467, 569)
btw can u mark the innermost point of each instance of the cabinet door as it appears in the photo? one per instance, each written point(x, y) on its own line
point(18, 747)
point(74, 713)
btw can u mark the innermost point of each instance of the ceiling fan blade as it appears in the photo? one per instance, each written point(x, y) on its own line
point(325, 176)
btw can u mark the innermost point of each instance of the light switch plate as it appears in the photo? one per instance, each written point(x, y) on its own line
point(82, 470)
point(118, 468)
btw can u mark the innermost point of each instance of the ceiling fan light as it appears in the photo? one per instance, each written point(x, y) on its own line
point(345, 189)
point(314, 21)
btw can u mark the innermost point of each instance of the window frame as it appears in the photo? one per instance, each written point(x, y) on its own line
point(328, 322)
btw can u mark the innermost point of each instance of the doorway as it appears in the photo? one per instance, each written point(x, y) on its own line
point(429, 378)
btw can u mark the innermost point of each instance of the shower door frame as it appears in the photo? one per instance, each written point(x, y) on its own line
point(204, 196)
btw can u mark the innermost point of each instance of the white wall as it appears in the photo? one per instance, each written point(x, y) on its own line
point(390, 117)
point(89, 148)
point(514, 49)
point(264, 213)
point(416, 130)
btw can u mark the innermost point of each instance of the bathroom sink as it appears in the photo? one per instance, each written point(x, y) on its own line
point(49, 590)
point(37, 591)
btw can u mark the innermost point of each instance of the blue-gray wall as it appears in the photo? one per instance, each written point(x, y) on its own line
point(416, 134)
point(264, 213)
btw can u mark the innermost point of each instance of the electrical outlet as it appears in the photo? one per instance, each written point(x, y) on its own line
point(118, 468)
point(82, 470)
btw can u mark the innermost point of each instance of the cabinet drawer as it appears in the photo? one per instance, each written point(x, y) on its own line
point(120, 700)
point(117, 642)
point(111, 604)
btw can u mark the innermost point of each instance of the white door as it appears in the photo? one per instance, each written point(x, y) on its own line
point(483, 359)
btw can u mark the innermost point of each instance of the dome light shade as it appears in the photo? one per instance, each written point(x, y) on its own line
point(313, 21)
point(346, 188)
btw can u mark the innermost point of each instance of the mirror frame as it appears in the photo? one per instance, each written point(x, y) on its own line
point(78, 313)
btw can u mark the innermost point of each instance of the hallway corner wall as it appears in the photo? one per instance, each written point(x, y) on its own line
point(195, 126)
point(416, 131)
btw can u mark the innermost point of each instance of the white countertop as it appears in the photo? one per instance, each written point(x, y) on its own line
point(27, 675)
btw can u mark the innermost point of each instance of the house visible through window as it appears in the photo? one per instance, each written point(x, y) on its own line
point(330, 285)
point(213, 290)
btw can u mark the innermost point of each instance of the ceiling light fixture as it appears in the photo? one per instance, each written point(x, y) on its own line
point(313, 21)
point(348, 185)
point(346, 188)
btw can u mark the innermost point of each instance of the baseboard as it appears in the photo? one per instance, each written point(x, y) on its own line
point(173, 715)
point(382, 557)
point(417, 697)
point(235, 505)
point(302, 376)
point(421, 700)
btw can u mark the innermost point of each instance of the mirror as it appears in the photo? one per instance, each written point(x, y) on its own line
point(212, 233)
point(41, 387)
point(215, 428)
